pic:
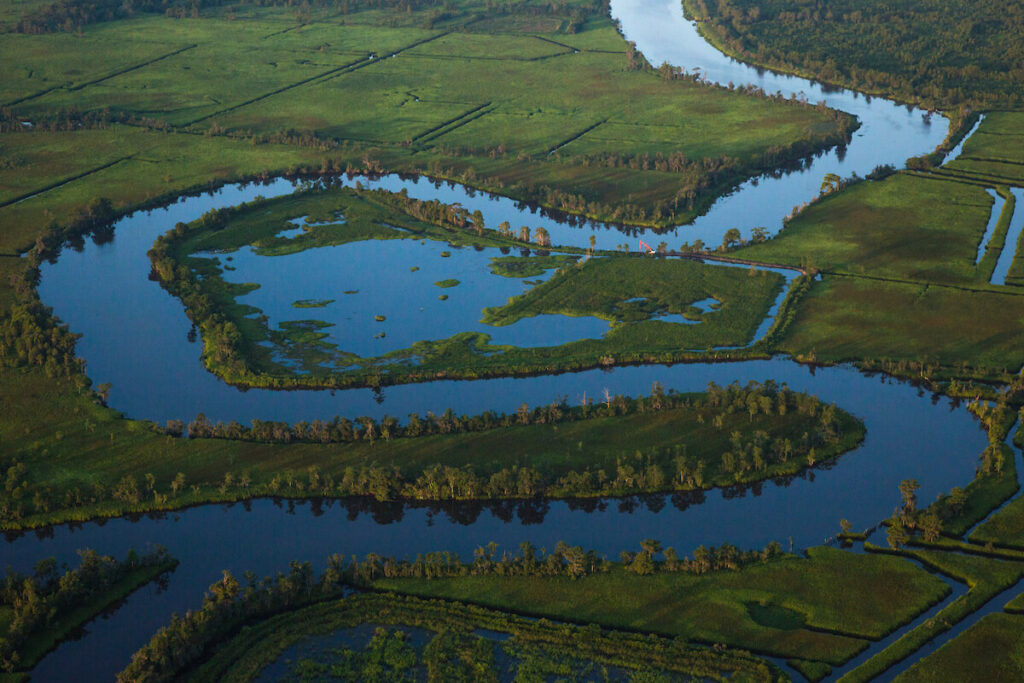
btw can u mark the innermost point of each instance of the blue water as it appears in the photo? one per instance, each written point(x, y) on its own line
point(408, 299)
point(1012, 238)
point(993, 219)
point(137, 337)
point(955, 153)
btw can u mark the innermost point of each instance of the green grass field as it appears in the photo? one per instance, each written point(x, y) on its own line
point(632, 291)
point(991, 650)
point(995, 149)
point(905, 227)
point(985, 578)
point(409, 94)
point(839, 596)
point(851, 318)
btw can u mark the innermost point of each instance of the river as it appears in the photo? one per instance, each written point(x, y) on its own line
point(137, 338)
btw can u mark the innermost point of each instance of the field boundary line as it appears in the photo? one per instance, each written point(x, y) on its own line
point(577, 136)
point(121, 72)
point(52, 186)
point(35, 95)
point(580, 49)
point(990, 160)
point(457, 122)
point(278, 91)
point(923, 283)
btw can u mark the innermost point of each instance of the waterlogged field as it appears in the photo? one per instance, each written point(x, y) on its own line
point(403, 638)
point(302, 279)
point(369, 288)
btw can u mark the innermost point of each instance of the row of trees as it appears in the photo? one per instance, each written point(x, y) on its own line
point(753, 398)
point(752, 455)
point(226, 606)
point(38, 600)
point(725, 557)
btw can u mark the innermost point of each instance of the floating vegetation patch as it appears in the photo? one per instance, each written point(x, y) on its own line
point(450, 282)
point(312, 303)
point(529, 266)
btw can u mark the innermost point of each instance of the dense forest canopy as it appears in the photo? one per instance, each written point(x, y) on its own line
point(944, 52)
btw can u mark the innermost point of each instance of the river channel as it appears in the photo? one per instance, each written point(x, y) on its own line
point(137, 337)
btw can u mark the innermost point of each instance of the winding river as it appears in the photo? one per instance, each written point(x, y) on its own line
point(137, 338)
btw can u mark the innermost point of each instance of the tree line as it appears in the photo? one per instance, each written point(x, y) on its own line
point(37, 601)
point(754, 398)
point(573, 562)
point(751, 456)
point(948, 53)
point(191, 640)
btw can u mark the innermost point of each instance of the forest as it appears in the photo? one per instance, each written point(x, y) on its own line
point(915, 50)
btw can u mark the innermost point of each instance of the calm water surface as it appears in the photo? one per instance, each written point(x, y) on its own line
point(137, 338)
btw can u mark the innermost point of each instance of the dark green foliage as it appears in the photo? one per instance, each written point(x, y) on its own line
point(944, 52)
point(213, 645)
point(43, 608)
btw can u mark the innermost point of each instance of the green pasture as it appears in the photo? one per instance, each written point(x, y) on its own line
point(821, 608)
point(851, 318)
point(905, 227)
point(990, 650)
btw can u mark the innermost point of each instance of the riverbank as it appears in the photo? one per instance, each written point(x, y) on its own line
point(616, 447)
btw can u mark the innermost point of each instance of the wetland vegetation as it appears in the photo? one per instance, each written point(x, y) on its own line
point(111, 108)
point(633, 295)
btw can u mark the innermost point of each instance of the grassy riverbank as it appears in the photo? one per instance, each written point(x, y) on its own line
point(791, 607)
point(82, 460)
